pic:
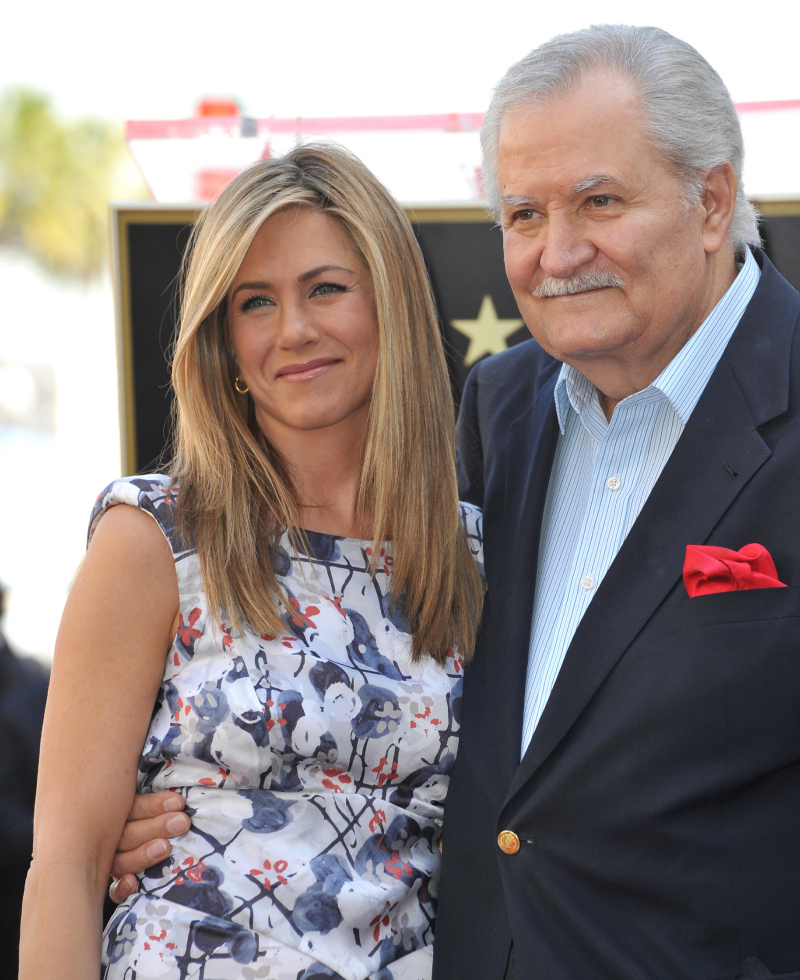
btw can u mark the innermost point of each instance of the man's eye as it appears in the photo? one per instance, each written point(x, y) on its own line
point(601, 200)
point(526, 214)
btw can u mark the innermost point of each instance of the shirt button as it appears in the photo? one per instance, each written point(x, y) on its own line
point(587, 581)
point(613, 483)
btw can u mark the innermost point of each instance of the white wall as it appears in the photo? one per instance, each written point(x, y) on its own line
point(49, 480)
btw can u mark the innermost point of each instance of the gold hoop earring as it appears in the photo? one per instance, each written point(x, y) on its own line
point(242, 391)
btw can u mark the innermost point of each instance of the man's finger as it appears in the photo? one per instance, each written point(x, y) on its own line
point(147, 805)
point(122, 889)
point(144, 831)
point(135, 861)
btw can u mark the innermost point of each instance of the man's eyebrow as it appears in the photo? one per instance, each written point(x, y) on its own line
point(594, 181)
point(516, 202)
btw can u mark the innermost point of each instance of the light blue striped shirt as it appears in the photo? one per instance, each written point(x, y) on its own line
point(602, 475)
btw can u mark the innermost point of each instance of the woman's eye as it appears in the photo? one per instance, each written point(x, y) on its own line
point(327, 289)
point(254, 303)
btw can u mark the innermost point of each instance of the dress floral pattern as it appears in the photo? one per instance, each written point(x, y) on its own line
point(314, 766)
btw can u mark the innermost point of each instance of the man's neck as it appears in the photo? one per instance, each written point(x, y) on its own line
point(620, 375)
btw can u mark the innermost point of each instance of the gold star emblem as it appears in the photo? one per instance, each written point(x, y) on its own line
point(488, 334)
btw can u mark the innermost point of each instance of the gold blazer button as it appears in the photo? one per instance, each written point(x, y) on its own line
point(508, 842)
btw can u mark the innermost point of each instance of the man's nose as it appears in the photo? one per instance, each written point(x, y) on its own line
point(566, 248)
point(295, 327)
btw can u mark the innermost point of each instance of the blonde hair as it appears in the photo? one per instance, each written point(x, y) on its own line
point(236, 496)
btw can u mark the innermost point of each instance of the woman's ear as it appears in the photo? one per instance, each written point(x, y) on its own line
point(719, 202)
point(229, 348)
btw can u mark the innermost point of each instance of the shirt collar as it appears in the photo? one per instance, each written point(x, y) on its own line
point(684, 379)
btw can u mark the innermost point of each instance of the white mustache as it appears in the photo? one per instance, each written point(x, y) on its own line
point(580, 283)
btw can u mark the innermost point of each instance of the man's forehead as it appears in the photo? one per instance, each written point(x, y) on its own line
point(591, 84)
point(595, 135)
point(528, 179)
point(594, 100)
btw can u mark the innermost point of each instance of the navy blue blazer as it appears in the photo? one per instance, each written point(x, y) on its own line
point(658, 802)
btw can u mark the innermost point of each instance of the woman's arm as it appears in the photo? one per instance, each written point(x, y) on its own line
point(118, 624)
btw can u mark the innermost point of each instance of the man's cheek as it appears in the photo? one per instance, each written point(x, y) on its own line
point(522, 264)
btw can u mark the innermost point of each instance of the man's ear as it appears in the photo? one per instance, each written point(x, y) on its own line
point(719, 202)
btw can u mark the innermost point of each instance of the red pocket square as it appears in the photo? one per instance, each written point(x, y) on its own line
point(708, 569)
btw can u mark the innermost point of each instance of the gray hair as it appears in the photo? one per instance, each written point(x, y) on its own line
point(691, 116)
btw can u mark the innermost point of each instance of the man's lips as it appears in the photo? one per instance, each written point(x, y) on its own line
point(307, 369)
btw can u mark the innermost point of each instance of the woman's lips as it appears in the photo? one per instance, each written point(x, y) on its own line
point(307, 370)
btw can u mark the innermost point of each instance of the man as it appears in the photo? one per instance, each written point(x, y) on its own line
point(625, 801)
point(23, 691)
point(626, 797)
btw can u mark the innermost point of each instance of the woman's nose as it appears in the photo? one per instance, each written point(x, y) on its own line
point(295, 327)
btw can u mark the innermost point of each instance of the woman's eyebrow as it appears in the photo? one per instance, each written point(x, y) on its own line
point(323, 268)
point(263, 284)
point(251, 285)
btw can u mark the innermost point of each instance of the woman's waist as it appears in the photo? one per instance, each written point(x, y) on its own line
point(250, 832)
point(421, 794)
point(293, 867)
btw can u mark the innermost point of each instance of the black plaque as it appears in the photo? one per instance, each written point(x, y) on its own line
point(463, 250)
point(155, 258)
point(781, 234)
point(465, 262)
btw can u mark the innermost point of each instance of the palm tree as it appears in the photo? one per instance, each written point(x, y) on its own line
point(56, 178)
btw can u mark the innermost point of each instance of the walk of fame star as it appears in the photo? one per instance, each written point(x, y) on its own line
point(488, 334)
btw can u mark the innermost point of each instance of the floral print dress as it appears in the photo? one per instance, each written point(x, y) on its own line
point(314, 766)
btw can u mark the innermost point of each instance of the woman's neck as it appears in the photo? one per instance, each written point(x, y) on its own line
point(325, 468)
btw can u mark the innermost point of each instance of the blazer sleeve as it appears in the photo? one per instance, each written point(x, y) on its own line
point(469, 448)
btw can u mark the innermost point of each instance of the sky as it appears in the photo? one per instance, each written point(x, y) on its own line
point(155, 58)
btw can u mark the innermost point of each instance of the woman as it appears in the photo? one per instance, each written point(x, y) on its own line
point(307, 579)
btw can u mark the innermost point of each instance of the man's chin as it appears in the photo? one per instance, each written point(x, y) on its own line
point(577, 346)
point(574, 332)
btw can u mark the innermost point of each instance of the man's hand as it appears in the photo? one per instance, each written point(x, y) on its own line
point(152, 820)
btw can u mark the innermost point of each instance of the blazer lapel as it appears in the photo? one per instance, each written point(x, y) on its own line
point(532, 443)
point(687, 502)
